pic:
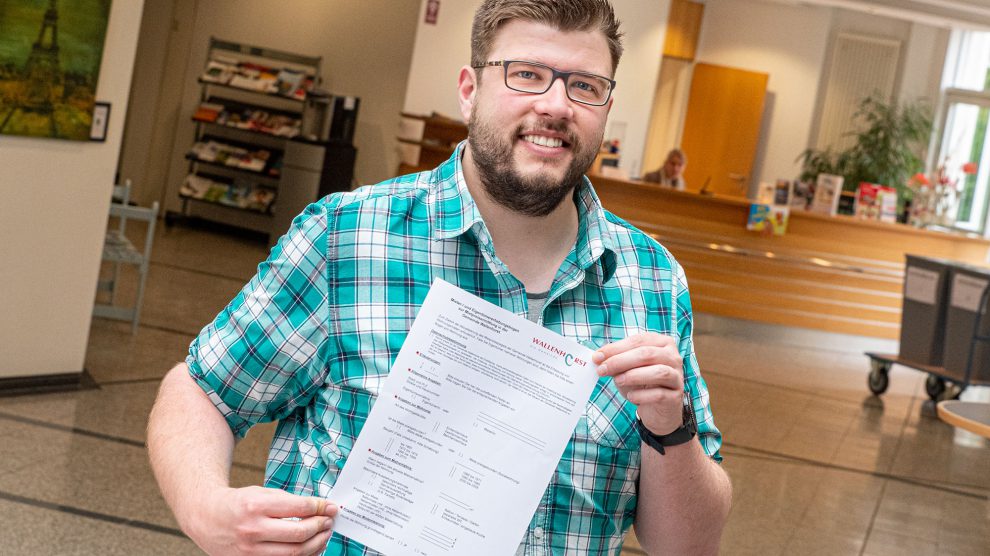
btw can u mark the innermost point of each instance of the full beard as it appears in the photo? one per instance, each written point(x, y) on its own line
point(534, 195)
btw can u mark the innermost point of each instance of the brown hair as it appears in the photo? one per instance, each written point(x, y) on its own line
point(676, 153)
point(564, 15)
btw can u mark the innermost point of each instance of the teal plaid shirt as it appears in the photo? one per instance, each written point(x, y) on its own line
point(310, 339)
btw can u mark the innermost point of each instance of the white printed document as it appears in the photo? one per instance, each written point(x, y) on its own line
point(466, 432)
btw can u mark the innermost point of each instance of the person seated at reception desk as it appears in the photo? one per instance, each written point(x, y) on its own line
point(671, 173)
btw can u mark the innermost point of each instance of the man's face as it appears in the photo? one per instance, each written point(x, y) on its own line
point(674, 167)
point(531, 150)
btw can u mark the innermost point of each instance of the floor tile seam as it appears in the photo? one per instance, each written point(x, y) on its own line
point(102, 436)
point(82, 512)
point(904, 426)
point(850, 426)
point(152, 326)
point(974, 491)
point(904, 532)
point(27, 465)
point(873, 518)
point(794, 531)
point(185, 333)
point(174, 266)
point(941, 486)
point(941, 542)
point(71, 430)
point(845, 401)
point(819, 484)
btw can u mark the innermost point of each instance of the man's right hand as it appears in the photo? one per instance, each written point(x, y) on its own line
point(250, 521)
point(185, 426)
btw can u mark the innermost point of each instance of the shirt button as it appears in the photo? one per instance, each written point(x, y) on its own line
point(538, 533)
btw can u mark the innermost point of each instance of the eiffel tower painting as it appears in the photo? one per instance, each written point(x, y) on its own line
point(50, 54)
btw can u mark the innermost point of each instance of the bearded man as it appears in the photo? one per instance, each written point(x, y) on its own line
point(509, 218)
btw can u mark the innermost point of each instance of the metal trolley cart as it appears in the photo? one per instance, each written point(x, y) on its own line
point(966, 349)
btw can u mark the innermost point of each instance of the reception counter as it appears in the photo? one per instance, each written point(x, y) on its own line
point(835, 273)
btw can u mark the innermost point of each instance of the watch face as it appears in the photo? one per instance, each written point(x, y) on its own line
point(689, 420)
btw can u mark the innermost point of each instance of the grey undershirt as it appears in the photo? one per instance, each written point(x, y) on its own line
point(536, 302)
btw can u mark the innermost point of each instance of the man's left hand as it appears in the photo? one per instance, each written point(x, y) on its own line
point(648, 370)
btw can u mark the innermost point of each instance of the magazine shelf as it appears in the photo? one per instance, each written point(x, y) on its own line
point(258, 210)
point(266, 143)
point(250, 118)
point(215, 164)
point(228, 87)
point(249, 114)
point(229, 192)
point(238, 156)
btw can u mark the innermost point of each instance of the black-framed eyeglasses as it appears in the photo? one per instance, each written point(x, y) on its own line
point(536, 78)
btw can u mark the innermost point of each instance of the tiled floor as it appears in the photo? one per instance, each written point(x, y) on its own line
point(818, 465)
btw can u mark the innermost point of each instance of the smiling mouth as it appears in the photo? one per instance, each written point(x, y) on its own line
point(543, 141)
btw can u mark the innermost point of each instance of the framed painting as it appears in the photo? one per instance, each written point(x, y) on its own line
point(50, 53)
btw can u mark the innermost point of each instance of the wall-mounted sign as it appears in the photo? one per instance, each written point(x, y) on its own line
point(101, 118)
point(432, 11)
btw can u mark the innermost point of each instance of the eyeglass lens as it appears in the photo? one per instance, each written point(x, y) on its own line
point(534, 78)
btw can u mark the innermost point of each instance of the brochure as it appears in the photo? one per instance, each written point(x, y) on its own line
point(828, 189)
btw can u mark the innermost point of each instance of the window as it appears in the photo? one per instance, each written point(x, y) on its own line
point(963, 121)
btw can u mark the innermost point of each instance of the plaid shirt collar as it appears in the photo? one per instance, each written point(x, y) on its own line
point(455, 213)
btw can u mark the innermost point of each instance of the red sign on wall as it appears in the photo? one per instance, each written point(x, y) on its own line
point(432, 10)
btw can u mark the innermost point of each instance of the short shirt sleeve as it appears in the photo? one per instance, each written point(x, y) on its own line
point(708, 433)
point(264, 354)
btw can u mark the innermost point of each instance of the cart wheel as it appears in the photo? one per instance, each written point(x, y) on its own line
point(935, 387)
point(953, 391)
point(879, 380)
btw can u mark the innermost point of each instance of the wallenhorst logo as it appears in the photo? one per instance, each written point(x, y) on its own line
point(569, 359)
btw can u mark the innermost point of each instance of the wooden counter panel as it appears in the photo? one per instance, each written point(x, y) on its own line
point(839, 274)
point(828, 323)
point(784, 272)
point(760, 299)
point(700, 275)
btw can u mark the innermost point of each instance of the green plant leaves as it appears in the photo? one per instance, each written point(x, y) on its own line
point(890, 143)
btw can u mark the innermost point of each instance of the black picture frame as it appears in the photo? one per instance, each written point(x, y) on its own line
point(101, 120)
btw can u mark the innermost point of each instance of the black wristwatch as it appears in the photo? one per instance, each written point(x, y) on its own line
point(681, 435)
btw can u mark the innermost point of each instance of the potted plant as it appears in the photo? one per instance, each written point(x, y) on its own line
point(890, 142)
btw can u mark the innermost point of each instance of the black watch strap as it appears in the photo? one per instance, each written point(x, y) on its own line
point(659, 441)
point(682, 434)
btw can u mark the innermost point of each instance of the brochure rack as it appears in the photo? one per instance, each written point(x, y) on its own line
point(248, 124)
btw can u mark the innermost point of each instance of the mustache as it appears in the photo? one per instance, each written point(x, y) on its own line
point(549, 125)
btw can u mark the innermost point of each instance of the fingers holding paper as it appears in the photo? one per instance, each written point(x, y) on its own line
point(255, 520)
point(648, 371)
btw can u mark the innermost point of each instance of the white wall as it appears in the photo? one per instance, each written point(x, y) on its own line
point(54, 198)
point(440, 50)
point(788, 43)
